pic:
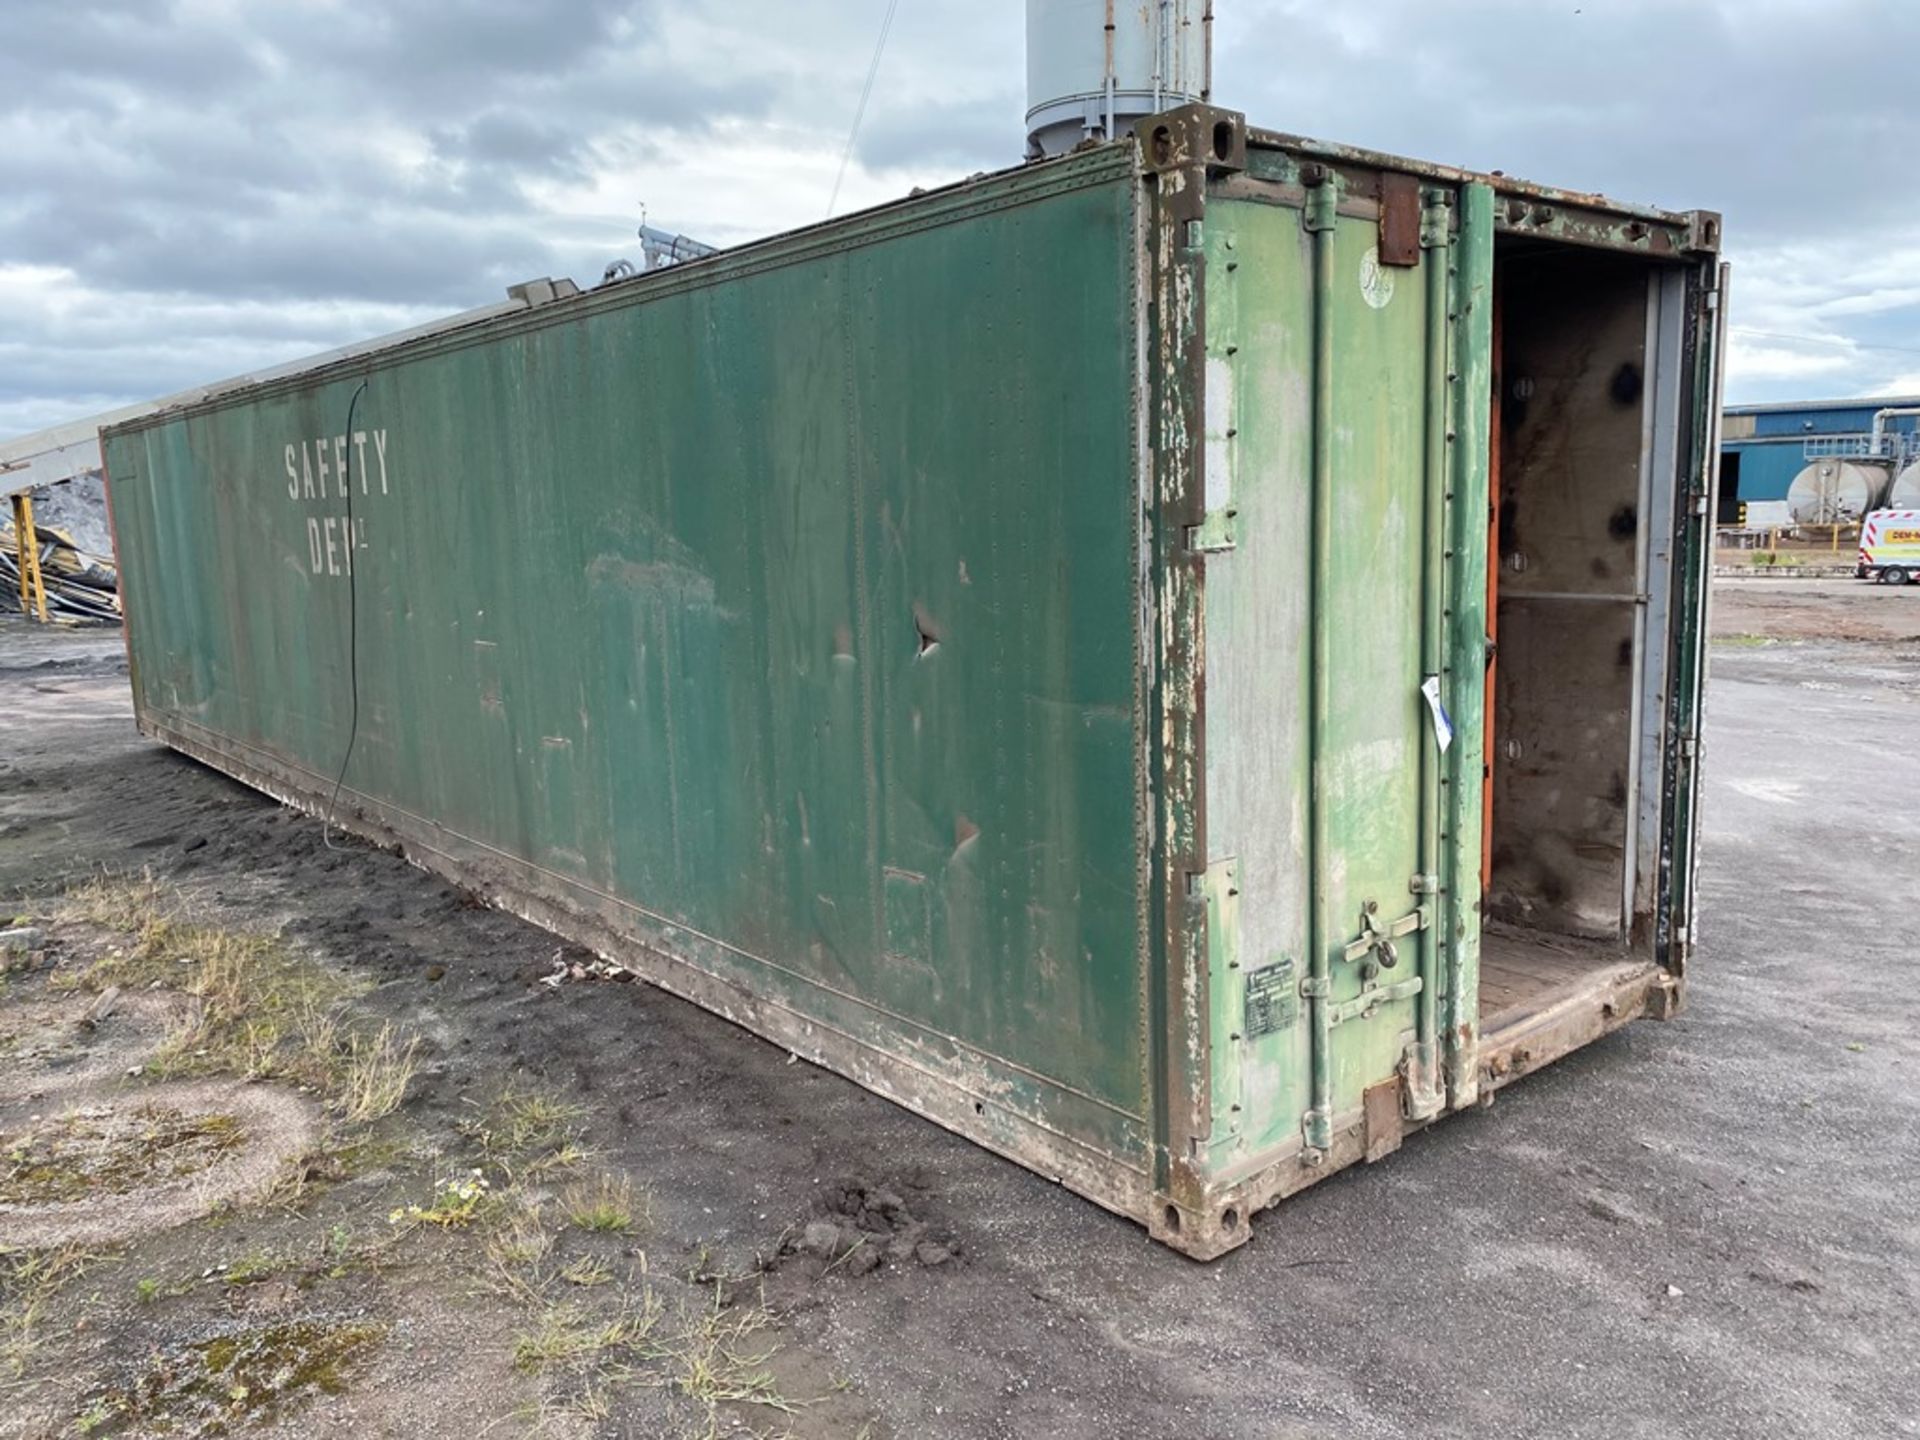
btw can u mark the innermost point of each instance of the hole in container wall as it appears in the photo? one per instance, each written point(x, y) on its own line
point(1229, 1219)
point(1627, 384)
point(1223, 140)
point(1162, 145)
point(1173, 1217)
point(927, 631)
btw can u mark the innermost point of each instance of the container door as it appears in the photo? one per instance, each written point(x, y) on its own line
point(1334, 704)
point(1707, 315)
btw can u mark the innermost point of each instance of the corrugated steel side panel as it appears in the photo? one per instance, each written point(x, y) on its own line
point(781, 615)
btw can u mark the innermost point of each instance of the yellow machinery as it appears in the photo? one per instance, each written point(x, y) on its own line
point(33, 589)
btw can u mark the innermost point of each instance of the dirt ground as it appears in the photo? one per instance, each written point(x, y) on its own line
point(1700, 1228)
point(1758, 611)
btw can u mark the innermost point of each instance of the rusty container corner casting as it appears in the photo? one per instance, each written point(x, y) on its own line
point(1179, 663)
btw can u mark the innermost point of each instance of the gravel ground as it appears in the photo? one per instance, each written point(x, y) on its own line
point(1701, 1228)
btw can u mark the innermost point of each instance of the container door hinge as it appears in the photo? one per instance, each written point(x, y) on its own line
point(1322, 210)
point(1436, 221)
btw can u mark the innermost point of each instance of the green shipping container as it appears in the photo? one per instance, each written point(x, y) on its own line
point(1179, 663)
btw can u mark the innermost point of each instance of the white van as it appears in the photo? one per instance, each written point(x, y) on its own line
point(1890, 547)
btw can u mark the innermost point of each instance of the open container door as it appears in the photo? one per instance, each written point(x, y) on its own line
point(1706, 302)
point(1607, 390)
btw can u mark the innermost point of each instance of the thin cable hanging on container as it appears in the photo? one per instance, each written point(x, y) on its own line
point(353, 632)
point(860, 113)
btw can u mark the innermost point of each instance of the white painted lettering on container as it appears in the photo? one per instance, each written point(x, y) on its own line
point(331, 474)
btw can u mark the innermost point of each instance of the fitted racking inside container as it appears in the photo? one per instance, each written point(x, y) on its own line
point(1180, 662)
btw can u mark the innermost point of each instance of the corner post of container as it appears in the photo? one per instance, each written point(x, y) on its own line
point(1467, 652)
point(1320, 217)
point(1180, 150)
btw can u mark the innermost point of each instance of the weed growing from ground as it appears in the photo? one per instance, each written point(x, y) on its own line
point(527, 1131)
point(607, 1205)
point(454, 1205)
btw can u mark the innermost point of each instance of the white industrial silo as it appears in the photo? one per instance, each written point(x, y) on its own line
point(1905, 494)
point(1833, 491)
point(1094, 67)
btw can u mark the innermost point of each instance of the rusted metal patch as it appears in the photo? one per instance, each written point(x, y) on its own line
point(1382, 1109)
point(1573, 217)
point(1179, 150)
point(1611, 1000)
point(1202, 136)
point(1399, 219)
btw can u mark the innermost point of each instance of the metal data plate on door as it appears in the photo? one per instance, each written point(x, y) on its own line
point(1273, 999)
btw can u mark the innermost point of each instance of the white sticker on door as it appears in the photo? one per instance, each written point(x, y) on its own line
point(1376, 281)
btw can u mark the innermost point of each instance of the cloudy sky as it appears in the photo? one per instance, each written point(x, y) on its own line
point(194, 188)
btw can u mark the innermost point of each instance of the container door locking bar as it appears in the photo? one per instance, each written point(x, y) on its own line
point(1377, 941)
point(1374, 950)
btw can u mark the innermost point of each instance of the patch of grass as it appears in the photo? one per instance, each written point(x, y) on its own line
point(567, 1157)
point(586, 1272)
point(266, 1012)
point(118, 902)
point(607, 1205)
point(568, 1337)
point(30, 1281)
point(100, 1152)
point(233, 1383)
point(718, 1360)
point(253, 1267)
point(1743, 641)
point(515, 1246)
point(528, 1130)
point(151, 1288)
point(374, 1073)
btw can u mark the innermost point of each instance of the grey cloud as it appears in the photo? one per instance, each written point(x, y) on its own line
point(81, 54)
point(974, 133)
point(1746, 108)
point(198, 168)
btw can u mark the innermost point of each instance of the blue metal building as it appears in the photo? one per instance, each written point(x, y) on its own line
point(1762, 447)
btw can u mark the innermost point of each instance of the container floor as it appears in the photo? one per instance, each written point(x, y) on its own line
point(1525, 976)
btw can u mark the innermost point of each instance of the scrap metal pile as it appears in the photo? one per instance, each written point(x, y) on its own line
point(81, 587)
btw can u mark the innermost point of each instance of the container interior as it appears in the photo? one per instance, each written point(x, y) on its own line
point(1585, 360)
